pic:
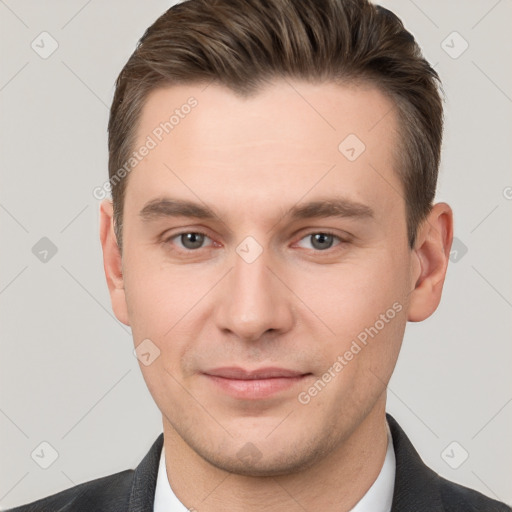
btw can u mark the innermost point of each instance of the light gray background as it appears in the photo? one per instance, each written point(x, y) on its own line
point(68, 375)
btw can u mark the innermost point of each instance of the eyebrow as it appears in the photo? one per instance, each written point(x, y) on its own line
point(329, 207)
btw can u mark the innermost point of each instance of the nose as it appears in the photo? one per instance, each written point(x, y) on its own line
point(253, 302)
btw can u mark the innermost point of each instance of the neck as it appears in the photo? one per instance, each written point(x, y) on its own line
point(336, 483)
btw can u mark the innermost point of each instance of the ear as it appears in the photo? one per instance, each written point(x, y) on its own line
point(112, 262)
point(431, 255)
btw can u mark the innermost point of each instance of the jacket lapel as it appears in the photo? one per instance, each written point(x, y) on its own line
point(144, 479)
point(416, 485)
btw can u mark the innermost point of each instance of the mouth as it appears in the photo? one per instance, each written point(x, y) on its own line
point(254, 384)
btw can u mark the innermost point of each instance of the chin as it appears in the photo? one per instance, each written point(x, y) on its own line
point(260, 468)
point(251, 461)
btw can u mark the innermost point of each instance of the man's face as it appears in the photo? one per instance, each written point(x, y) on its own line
point(252, 315)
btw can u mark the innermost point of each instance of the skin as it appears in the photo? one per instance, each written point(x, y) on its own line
point(296, 306)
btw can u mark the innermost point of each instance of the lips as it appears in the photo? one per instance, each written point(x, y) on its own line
point(262, 373)
point(254, 384)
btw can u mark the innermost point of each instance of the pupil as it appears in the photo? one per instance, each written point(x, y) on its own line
point(192, 240)
point(322, 238)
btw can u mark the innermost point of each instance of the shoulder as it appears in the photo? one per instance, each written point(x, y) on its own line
point(457, 498)
point(118, 492)
point(109, 493)
point(419, 488)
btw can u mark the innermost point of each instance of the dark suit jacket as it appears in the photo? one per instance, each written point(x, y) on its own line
point(417, 488)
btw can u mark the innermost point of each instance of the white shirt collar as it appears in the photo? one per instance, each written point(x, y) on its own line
point(165, 499)
point(378, 498)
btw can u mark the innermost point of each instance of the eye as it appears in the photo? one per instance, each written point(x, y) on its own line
point(320, 241)
point(188, 240)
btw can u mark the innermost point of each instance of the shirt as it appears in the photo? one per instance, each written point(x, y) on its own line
point(378, 498)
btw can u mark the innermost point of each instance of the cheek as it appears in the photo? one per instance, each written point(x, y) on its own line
point(351, 296)
point(146, 305)
point(362, 304)
point(165, 300)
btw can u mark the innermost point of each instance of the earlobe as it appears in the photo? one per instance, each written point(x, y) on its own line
point(112, 262)
point(430, 262)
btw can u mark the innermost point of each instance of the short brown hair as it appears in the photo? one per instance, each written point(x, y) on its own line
point(243, 44)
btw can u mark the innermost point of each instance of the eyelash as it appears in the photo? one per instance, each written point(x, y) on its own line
point(341, 241)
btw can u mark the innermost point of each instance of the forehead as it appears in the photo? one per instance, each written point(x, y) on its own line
point(288, 111)
point(287, 140)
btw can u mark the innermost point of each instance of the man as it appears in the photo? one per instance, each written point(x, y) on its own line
point(273, 168)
